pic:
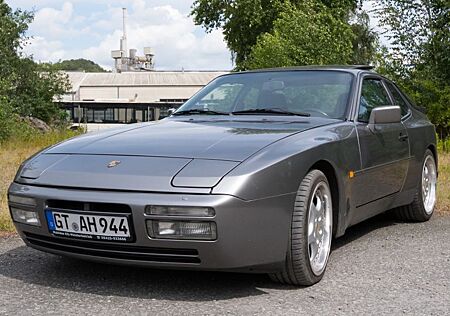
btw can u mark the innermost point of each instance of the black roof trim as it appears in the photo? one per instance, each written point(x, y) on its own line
point(362, 67)
point(348, 68)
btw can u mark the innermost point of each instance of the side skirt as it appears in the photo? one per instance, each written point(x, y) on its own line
point(379, 206)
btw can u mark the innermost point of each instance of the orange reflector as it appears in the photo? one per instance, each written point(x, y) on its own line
point(351, 174)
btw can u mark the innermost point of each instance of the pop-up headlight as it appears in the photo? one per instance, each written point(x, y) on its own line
point(188, 211)
point(23, 200)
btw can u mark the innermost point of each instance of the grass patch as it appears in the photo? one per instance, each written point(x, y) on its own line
point(14, 152)
point(443, 203)
point(444, 145)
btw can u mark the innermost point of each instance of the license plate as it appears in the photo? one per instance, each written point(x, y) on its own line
point(91, 226)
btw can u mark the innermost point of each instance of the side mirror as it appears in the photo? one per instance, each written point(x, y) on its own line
point(384, 115)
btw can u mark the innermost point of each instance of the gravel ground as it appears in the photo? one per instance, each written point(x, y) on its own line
point(379, 267)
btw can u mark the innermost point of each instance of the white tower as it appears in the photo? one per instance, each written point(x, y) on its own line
point(121, 56)
point(123, 40)
point(127, 60)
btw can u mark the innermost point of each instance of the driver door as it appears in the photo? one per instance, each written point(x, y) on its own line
point(384, 150)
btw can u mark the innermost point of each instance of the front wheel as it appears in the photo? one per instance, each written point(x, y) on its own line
point(310, 234)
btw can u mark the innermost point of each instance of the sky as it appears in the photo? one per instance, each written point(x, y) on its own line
point(71, 29)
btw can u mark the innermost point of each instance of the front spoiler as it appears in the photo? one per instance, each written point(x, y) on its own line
point(252, 235)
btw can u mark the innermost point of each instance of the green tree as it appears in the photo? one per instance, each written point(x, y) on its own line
point(78, 65)
point(418, 57)
point(12, 29)
point(39, 86)
point(311, 35)
point(365, 40)
point(244, 21)
point(419, 32)
point(25, 87)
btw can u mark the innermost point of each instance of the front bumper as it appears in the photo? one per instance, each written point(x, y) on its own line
point(251, 235)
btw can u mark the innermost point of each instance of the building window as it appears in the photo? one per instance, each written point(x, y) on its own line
point(90, 115)
point(163, 112)
point(99, 116)
point(173, 100)
point(115, 113)
point(77, 114)
point(129, 117)
point(139, 115)
point(109, 115)
point(121, 115)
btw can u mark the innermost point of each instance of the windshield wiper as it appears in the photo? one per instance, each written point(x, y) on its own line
point(270, 111)
point(200, 111)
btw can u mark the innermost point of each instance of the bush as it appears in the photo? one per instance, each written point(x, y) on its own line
point(6, 120)
point(436, 100)
point(11, 125)
point(444, 145)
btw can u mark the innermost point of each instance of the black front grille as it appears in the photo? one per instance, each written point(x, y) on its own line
point(89, 206)
point(115, 251)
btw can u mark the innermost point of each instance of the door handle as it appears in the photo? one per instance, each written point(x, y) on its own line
point(402, 137)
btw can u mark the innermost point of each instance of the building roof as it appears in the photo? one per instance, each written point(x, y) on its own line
point(152, 78)
point(75, 79)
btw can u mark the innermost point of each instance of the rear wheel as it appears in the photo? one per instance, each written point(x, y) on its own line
point(422, 207)
point(310, 233)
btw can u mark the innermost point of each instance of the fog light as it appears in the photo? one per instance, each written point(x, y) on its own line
point(25, 217)
point(182, 230)
point(22, 200)
point(180, 211)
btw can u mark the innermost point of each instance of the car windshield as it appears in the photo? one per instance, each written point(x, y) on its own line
point(307, 93)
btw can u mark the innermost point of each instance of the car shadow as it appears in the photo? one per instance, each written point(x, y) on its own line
point(39, 268)
point(47, 270)
point(355, 232)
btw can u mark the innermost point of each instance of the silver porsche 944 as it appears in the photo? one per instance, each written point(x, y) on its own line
point(257, 172)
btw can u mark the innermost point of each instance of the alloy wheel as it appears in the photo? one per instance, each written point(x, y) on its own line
point(429, 179)
point(319, 227)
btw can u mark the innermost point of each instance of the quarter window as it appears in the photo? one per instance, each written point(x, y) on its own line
point(398, 100)
point(373, 94)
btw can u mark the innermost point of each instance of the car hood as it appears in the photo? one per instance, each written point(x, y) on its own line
point(222, 139)
point(172, 155)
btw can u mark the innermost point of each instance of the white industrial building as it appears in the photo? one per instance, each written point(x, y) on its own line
point(130, 97)
point(133, 92)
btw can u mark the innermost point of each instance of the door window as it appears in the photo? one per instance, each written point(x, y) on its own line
point(373, 94)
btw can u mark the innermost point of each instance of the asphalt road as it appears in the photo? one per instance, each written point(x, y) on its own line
point(379, 267)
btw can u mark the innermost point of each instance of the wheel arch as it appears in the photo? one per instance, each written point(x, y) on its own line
point(433, 150)
point(327, 168)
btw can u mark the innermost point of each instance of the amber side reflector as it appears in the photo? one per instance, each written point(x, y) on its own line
point(351, 174)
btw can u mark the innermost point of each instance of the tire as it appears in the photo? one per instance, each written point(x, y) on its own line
point(421, 209)
point(298, 268)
